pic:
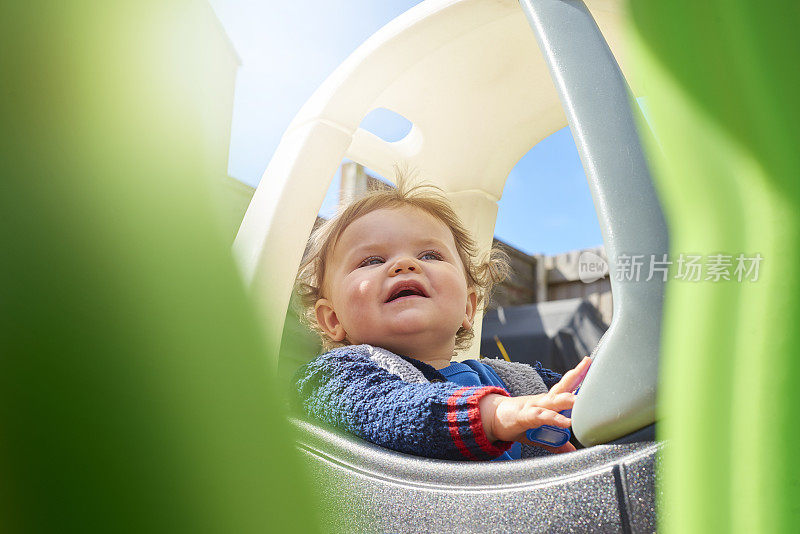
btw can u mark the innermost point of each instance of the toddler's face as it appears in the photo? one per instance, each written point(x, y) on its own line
point(395, 280)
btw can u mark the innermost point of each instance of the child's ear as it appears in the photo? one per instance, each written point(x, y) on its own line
point(472, 304)
point(328, 321)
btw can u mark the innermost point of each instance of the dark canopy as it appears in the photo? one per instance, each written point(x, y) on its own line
point(558, 333)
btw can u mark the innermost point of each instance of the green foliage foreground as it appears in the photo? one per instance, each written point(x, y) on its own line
point(722, 79)
point(134, 390)
point(134, 387)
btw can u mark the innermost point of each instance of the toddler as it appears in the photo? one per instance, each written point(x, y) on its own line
point(392, 284)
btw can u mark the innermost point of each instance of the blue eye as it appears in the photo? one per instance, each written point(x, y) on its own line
point(431, 255)
point(372, 260)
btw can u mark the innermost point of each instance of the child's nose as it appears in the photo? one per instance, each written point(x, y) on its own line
point(405, 265)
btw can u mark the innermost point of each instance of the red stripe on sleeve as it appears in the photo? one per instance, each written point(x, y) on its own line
point(452, 423)
point(476, 423)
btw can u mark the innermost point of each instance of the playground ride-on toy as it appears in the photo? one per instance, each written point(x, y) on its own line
point(469, 76)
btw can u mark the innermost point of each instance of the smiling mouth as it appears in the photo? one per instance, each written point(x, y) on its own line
point(406, 291)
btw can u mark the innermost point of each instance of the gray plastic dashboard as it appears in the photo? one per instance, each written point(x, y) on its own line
point(365, 488)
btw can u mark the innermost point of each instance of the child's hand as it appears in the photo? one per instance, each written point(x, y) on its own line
point(507, 418)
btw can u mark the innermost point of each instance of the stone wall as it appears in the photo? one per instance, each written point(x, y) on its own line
point(542, 278)
point(564, 281)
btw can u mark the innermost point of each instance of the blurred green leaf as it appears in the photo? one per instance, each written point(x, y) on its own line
point(721, 80)
point(135, 391)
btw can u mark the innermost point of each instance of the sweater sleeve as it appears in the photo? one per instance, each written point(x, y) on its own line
point(550, 378)
point(348, 390)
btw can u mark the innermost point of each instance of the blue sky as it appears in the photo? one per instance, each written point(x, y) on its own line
point(287, 50)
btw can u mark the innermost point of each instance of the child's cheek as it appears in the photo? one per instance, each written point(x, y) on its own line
point(360, 295)
point(364, 288)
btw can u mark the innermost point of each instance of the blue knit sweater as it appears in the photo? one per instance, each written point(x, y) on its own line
point(398, 403)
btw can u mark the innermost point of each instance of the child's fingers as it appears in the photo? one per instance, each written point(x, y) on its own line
point(573, 378)
point(536, 417)
point(556, 402)
point(515, 415)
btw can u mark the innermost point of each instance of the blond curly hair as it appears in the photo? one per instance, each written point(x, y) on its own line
point(481, 274)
